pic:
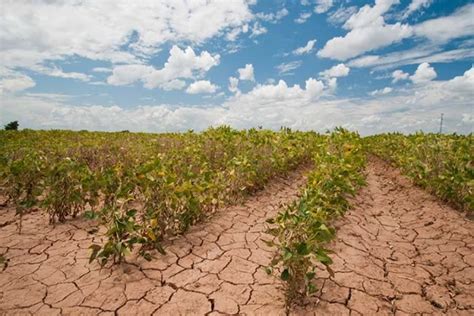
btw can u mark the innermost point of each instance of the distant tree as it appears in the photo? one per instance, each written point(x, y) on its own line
point(12, 126)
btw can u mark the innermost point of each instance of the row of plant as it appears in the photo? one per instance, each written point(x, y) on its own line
point(143, 187)
point(302, 229)
point(443, 164)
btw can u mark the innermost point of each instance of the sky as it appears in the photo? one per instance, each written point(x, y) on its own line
point(175, 65)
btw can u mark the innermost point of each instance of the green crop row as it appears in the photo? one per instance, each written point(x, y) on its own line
point(143, 187)
point(443, 164)
point(303, 228)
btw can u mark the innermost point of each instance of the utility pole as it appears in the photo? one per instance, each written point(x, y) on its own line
point(441, 123)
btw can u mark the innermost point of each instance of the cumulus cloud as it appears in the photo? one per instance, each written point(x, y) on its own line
point(233, 84)
point(308, 48)
point(341, 15)
point(180, 64)
point(101, 69)
point(435, 32)
point(175, 84)
point(420, 54)
point(257, 29)
point(281, 92)
point(273, 17)
point(303, 17)
point(399, 75)
point(463, 85)
point(201, 86)
point(246, 73)
point(416, 5)
point(332, 84)
point(367, 31)
point(468, 118)
point(286, 68)
point(15, 82)
point(423, 74)
point(32, 32)
point(58, 72)
point(459, 24)
point(383, 91)
point(339, 70)
point(271, 106)
point(323, 6)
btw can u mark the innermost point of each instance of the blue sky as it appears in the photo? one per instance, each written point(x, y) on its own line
point(372, 66)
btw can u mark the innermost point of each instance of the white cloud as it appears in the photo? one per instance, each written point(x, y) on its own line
point(468, 118)
point(273, 17)
point(341, 15)
point(462, 85)
point(368, 31)
point(201, 86)
point(308, 48)
point(383, 91)
point(368, 15)
point(423, 74)
point(58, 72)
point(281, 92)
point(417, 55)
point(339, 70)
point(361, 40)
point(15, 82)
point(286, 68)
point(175, 84)
point(416, 5)
point(459, 24)
point(234, 34)
point(180, 64)
point(271, 106)
point(323, 6)
point(128, 74)
point(101, 69)
point(246, 73)
point(33, 32)
point(399, 75)
point(233, 84)
point(303, 17)
point(332, 84)
point(257, 29)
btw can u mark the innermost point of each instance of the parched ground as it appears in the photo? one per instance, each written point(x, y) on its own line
point(216, 268)
point(399, 251)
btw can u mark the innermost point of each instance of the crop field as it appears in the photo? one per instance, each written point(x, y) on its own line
point(235, 222)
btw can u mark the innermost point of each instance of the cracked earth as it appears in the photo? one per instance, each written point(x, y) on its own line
point(399, 251)
point(215, 268)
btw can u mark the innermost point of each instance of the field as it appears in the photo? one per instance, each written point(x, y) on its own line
point(235, 222)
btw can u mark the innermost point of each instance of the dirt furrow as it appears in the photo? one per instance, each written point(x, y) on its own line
point(216, 267)
point(398, 251)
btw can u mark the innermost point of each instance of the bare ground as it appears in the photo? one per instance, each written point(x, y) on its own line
point(399, 251)
point(215, 268)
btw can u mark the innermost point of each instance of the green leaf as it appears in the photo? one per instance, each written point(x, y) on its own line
point(312, 288)
point(91, 215)
point(310, 275)
point(285, 275)
point(302, 249)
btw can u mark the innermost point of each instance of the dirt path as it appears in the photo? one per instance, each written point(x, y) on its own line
point(215, 268)
point(399, 251)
